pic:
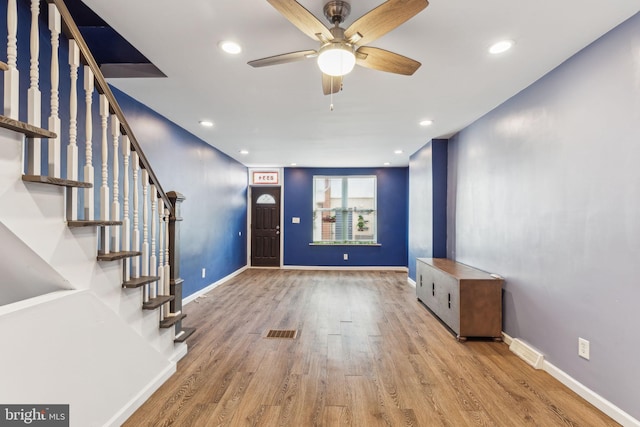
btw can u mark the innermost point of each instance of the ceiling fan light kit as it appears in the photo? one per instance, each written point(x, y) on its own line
point(336, 59)
point(341, 49)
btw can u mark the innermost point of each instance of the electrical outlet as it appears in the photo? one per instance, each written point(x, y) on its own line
point(345, 257)
point(204, 272)
point(583, 348)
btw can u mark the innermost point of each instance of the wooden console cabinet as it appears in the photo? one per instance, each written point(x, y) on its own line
point(467, 300)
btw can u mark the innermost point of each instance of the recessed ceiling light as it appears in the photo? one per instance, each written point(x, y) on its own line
point(398, 152)
point(244, 151)
point(206, 123)
point(293, 164)
point(386, 163)
point(230, 47)
point(426, 122)
point(501, 46)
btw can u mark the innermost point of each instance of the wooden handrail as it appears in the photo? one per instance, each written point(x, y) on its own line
point(3, 66)
point(71, 30)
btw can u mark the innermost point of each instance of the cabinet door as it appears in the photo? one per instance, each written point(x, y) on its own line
point(446, 291)
point(421, 280)
point(425, 285)
point(451, 303)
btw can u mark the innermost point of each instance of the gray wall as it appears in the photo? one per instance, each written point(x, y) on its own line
point(420, 207)
point(545, 190)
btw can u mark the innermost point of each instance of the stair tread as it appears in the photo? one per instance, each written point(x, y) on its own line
point(168, 322)
point(92, 223)
point(56, 181)
point(187, 332)
point(114, 256)
point(26, 129)
point(156, 302)
point(139, 281)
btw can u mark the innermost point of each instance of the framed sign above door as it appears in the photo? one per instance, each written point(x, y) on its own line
point(261, 177)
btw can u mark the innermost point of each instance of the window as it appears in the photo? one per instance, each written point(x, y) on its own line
point(266, 199)
point(344, 209)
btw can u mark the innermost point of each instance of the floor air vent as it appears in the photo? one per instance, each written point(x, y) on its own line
point(527, 353)
point(282, 333)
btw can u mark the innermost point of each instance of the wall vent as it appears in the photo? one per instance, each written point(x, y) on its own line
point(527, 353)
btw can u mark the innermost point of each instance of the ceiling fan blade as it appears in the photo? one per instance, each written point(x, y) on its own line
point(383, 19)
point(302, 18)
point(329, 87)
point(282, 59)
point(383, 60)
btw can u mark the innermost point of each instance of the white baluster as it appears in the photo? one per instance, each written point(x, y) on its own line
point(54, 118)
point(160, 268)
point(34, 99)
point(72, 148)
point(126, 230)
point(88, 166)
point(135, 261)
point(152, 259)
point(145, 230)
point(115, 206)
point(12, 76)
point(104, 188)
point(167, 268)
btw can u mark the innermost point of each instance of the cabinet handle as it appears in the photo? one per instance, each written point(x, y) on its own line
point(421, 280)
point(433, 289)
point(449, 302)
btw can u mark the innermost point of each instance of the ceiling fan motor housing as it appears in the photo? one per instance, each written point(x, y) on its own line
point(337, 11)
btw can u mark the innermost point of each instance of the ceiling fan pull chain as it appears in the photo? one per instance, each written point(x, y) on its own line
point(331, 105)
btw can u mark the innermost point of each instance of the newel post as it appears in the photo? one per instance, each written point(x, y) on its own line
point(175, 282)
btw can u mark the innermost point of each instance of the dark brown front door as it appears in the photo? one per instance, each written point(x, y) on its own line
point(265, 226)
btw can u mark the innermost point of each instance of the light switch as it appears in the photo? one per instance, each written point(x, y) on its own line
point(295, 220)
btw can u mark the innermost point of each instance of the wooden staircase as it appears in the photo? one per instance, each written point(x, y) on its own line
point(154, 270)
point(30, 131)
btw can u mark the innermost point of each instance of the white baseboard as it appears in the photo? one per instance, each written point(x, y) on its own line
point(586, 393)
point(411, 282)
point(123, 414)
point(212, 286)
point(179, 352)
point(590, 396)
point(345, 268)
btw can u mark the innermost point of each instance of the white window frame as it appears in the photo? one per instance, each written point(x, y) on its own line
point(351, 234)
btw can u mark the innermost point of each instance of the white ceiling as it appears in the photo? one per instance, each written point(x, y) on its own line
point(279, 113)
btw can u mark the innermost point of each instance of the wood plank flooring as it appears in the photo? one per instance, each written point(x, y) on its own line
point(367, 354)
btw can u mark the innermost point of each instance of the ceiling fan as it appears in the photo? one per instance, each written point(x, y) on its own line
point(341, 49)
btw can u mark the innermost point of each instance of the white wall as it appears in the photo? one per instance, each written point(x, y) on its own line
point(545, 190)
point(69, 348)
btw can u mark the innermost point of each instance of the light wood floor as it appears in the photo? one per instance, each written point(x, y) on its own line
point(367, 354)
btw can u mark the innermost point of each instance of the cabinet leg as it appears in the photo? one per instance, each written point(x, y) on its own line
point(461, 339)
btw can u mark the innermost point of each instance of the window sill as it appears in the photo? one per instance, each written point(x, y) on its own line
point(344, 244)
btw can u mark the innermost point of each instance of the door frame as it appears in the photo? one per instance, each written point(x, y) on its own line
point(250, 220)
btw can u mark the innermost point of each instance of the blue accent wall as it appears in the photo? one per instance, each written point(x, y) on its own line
point(392, 220)
point(439, 172)
point(215, 186)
